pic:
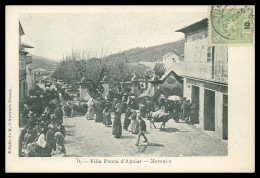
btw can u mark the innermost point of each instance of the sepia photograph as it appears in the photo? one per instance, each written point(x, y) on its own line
point(119, 84)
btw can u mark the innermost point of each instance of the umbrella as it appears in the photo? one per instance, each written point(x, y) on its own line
point(145, 95)
point(174, 98)
point(54, 101)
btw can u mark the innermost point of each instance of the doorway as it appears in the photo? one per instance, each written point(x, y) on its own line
point(209, 110)
point(195, 97)
point(225, 117)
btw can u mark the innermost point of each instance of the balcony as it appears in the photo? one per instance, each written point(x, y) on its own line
point(28, 59)
point(22, 74)
point(204, 70)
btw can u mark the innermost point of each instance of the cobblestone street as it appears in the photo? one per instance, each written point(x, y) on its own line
point(87, 138)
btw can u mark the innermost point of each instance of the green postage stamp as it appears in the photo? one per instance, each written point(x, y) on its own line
point(231, 25)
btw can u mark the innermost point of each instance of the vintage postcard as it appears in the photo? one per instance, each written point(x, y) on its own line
point(130, 89)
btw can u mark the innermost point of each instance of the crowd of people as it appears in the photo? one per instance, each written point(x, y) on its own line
point(121, 101)
point(44, 135)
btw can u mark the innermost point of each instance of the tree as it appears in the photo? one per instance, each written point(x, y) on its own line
point(73, 66)
point(159, 69)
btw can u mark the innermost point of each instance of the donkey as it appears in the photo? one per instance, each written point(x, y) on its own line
point(164, 118)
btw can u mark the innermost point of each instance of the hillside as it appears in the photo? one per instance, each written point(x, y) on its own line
point(149, 54)
point(42, 62)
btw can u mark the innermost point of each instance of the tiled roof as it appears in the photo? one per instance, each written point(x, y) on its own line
point(197, 25)
point(21, 29)
point(177, 77)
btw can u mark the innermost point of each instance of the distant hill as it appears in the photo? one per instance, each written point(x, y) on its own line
point(149, 54)
point(42, 62)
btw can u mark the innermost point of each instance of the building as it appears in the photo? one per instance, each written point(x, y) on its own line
point(205, 78)
point(172, 60)
point(38, 73)
point(30, 78)
point(25, 58)
point(171, 83)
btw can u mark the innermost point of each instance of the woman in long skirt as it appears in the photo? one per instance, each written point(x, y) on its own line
point(117, 127)
point(90, 113)
point(107, 117)
point(127, 118)
point(99, 112)
point(133, 127)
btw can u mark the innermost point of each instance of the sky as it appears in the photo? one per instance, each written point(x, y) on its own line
point(114, 30)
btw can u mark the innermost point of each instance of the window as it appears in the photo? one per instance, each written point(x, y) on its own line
point(209, 54)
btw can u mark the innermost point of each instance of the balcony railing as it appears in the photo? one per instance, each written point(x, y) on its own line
point(22, 74)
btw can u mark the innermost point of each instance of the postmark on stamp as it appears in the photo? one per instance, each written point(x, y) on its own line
point(231, 25)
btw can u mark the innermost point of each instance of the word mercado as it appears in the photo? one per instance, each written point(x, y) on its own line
point(129, 161)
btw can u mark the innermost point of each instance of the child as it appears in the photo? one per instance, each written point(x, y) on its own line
point(107, 116)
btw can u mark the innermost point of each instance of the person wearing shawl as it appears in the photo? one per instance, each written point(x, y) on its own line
point(107, 116)
point(124, 100)
point(130, 102)
point(30, 136)
point(91, 111)
point(115, 101)
point(127, 118)
point(30, 150)
point(133, 127)
point(60, 147)
point(117, 128)
point(99, 112)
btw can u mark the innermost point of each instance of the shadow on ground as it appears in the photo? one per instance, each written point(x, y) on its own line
point(69, 126)
point(69, 133)
point(155, 144)
point(170, 130)
point(127, 137)
point(68, 142)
